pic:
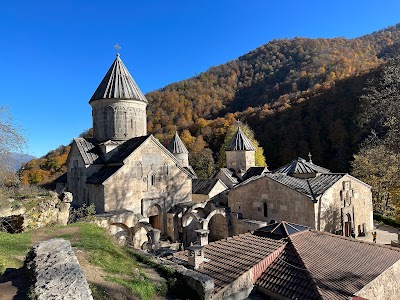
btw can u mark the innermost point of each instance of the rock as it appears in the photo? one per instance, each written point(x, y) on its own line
point(56, 272)
point(66, 197)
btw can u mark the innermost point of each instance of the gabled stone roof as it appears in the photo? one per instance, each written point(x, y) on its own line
point(230, 174)
point(88, 151)
point(300, 166)
point(240, 142)
point(176, 146)
point(127, 148)
point(204, 186)
point(118, 84)
point(312, 187)
point(102, 175)
point(254, 171)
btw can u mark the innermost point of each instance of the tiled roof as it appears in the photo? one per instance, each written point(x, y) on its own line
point(310, 264)
point(342, 266)
point(118, 84)
point(312, 187)
point(88, 151)
point(231, 257)
point(301, 166)
point(176, 146)
point(240, 142)
point(102, 175)
point(254, 171)
point(230, 174)
point(288, 277)
point(127, 148)
point(203, 186)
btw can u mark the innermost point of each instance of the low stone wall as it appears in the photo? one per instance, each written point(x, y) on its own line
point(41, 211)
point(198, 286)
point(56, 272)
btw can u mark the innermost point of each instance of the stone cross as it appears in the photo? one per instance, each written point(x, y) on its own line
point(309, 157)
point(117, 48)
point(238, 123)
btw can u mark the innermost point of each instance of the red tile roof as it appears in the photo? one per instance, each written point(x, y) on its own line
point(308, 264)
point(341, 266)
point(231, 257)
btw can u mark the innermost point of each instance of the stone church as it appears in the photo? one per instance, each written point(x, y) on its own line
point(299, 192)
point(122, 168)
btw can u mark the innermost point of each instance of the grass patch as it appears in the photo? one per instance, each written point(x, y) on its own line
point(120, 264)
point(13, 248)
point(142, 288)
point(103, 252)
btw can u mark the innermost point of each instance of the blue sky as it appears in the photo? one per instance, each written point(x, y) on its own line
point(55, 53)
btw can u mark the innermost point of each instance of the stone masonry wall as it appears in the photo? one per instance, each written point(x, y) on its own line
point(283, 204)
point(56, 272)
point(385, 287)
point(148, 174)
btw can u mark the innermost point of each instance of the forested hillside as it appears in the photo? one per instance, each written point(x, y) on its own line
point(298, 95)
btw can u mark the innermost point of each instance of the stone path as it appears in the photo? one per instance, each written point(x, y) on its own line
point(384, 234)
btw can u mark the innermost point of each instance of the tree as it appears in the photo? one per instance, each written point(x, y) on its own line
point(379, 166)
point(378, 160)
point(11, 140)
point(259, 153)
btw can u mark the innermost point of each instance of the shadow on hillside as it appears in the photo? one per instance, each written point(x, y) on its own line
point(14, 284)
point(324, 124)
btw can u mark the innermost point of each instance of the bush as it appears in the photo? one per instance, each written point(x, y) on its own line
point(386, 220)
point(85, 213)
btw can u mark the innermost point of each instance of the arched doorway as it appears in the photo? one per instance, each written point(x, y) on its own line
point(155, 216)
point(347, 225)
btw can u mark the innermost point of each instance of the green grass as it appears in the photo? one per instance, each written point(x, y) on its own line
point(143, 288)
point(13, 248)
point(103, 252)
point(119, 263)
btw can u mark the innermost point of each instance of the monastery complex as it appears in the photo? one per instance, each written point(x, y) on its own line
point(237, 228)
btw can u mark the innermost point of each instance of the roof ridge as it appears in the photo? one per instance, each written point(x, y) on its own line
point(240, 142)
point(356, 240)
point(305, 268)
point(176, 145)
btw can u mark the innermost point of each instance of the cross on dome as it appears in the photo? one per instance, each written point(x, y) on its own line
point(117, 47)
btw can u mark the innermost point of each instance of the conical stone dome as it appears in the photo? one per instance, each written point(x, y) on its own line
point(118, 84)
point(118, 106)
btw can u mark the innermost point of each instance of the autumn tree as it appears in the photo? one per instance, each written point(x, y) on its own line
point(378, 160)
point(259, 153)
point(379, 166)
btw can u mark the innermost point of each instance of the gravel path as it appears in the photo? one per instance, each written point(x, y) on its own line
point(384, 234)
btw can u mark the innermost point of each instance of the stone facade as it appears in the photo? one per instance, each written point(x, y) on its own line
point(121, 169)
point(240, 160)
point(345, 206)
point(265, 200)
point(118, 119)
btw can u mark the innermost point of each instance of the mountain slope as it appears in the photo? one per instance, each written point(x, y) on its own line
point(299, 95)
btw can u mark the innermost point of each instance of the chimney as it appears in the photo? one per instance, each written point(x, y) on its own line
point(195, 256)
point(202, 237)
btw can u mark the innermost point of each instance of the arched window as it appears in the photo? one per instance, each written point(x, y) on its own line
point(265, 209)
point(139, 170)
point(153, 180)
point(165, 169)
